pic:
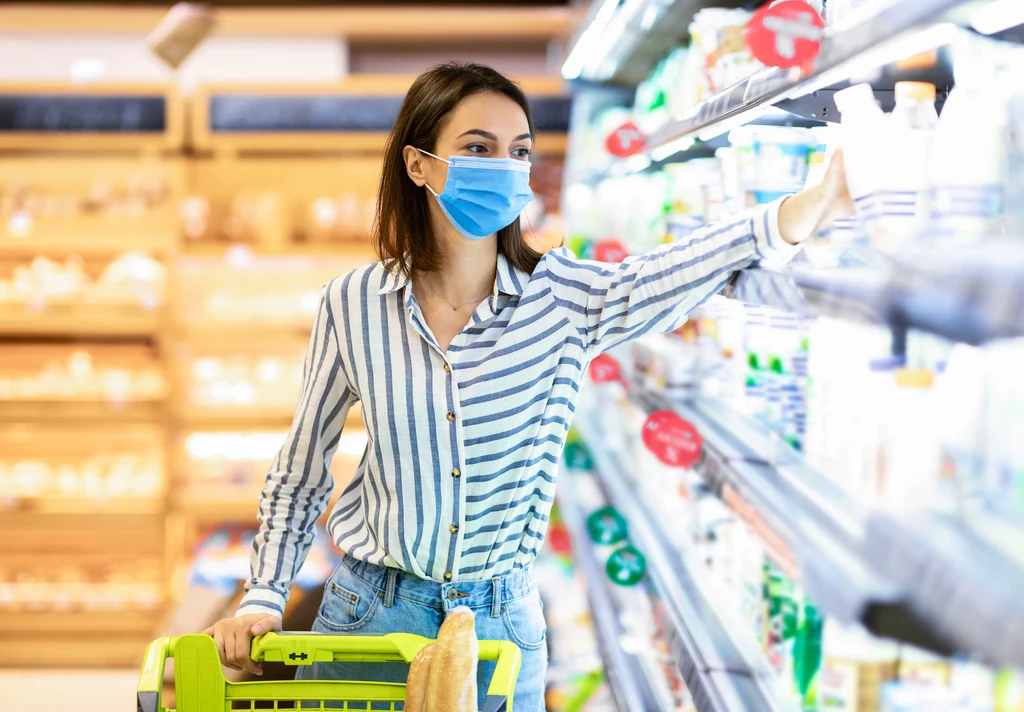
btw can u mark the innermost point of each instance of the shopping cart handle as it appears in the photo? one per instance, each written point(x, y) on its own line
point(303, 649)
point(151, 681)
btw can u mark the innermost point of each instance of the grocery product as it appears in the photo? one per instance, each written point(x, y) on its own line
point(965, 196)
point(452, 684)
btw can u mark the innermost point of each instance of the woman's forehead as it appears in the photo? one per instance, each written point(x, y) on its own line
point(494, 113)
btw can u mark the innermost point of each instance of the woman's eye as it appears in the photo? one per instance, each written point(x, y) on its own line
point(523, 153)
point(477, 148)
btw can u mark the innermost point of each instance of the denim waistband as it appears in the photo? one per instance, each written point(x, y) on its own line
point(488, 593)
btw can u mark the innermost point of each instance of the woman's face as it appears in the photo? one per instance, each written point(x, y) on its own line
point(487, 125)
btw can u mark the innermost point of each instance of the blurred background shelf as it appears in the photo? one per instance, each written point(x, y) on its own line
point(85, 411)
point(78, 321)
point(82, 505)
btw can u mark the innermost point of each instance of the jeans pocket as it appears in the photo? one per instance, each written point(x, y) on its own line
point(349, 603)
point(524, 620)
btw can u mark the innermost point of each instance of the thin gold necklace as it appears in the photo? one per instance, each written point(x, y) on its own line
point(453, 306)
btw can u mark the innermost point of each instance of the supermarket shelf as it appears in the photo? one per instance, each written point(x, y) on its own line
point(81, 620)
point(84, 411)
point(960, 584)
point(643, 32)
point(361, 250)
point(98, 243)
point(66, 506)
point(21, 321)
point(82, 650)
point(870, 43)
point(623, 670)
point(970, 296)
point(718, 673)
point(213, 510)
point(807, 522)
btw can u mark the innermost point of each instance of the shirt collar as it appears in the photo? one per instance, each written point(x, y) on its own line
point(508, 280)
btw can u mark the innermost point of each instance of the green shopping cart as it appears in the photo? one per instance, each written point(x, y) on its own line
point(200, 685)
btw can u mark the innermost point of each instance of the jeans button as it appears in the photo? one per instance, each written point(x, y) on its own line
point(452, 594)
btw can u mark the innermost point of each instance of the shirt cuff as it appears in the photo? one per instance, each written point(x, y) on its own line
point(772, 250)
point(261, 600)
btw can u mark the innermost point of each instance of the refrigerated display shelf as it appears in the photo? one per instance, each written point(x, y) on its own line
point(965, 295)
point(860, 47)
point(719, 674)
point(964, 587)
point(624, 672)
point(798, 510)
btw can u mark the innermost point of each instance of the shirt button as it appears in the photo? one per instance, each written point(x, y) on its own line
point(447, 368)
point(451, 417)
point(453, 528)
point(447, 575)
point(456, 473)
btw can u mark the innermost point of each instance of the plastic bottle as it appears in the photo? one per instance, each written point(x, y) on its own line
point(902, 202)
point(862, 129)
point(965, 197)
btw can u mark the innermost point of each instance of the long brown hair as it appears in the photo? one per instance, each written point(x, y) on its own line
point(401, 230)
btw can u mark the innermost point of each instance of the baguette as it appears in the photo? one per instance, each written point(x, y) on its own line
point(419, 677)
point(452, 686)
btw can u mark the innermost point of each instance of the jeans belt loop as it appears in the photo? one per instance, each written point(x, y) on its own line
point(495, 597)
point(389, 587)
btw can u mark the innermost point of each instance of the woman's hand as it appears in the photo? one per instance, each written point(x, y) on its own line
point(234, 639)
point(807, 212)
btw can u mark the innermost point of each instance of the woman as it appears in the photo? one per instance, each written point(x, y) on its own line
point(466, 349)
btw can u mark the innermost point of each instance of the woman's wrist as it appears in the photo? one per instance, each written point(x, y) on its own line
point(803, 214)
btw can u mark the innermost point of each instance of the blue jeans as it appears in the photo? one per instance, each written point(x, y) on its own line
point(366, 599)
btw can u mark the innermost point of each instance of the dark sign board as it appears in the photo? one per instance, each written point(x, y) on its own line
point(254, 113)
point(82, 113)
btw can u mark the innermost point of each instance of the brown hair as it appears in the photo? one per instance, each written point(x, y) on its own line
point(401, 230)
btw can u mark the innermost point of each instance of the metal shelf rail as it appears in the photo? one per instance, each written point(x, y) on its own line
point(623, 670)
point(971, 296)
point(717, 672)
point(805, 514)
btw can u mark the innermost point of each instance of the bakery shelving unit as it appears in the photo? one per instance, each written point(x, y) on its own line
point(91, 179)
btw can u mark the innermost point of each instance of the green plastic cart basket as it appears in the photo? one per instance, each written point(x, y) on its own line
point(200, 685)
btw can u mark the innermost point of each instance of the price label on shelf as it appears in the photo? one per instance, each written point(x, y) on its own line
point(786, 34)
point(625, 141)
point(606, 526)
point(605, 369)
point(626, 566)
point(673, 440)
point(610, 251)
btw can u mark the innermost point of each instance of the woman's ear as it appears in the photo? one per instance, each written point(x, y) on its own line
point(414, 165)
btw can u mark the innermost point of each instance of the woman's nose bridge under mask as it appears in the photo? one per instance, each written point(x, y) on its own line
point(483, 195)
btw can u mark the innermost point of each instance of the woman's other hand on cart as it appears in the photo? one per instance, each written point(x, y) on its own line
point(234, 639)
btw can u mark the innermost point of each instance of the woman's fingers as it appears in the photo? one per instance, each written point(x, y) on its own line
point(243, 653)
point(218, 638)
point(266, 625)
point(230, 649)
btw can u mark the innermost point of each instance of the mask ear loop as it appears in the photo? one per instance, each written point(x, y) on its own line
point(428, 153)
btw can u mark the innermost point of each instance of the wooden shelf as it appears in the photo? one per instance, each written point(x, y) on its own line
point(81, 650)
point(229, 510)
point(64, 320)
point(80, 411)
point(98, 242)
point(78, 505)
point(355, 250)
point(81, 620)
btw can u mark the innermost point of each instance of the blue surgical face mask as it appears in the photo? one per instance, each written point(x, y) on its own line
point(483, 195)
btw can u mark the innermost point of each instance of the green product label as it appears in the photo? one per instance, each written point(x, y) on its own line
point(626, 566)
point(577, 457)
point(606, 526)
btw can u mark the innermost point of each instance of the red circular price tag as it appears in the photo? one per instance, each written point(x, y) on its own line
point(627, 140)
point(785, 34)
point(610, 251)
point(605, 369)
point(673, 440)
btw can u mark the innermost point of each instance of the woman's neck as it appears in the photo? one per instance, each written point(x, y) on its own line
point(468, 266)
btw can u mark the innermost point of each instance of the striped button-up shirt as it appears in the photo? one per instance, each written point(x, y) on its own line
point(458, 477)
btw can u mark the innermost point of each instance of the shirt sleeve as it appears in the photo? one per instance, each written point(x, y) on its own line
point(299, 482)
point(652, 293)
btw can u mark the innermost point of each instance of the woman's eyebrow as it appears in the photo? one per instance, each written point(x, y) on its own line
point(492, 137)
